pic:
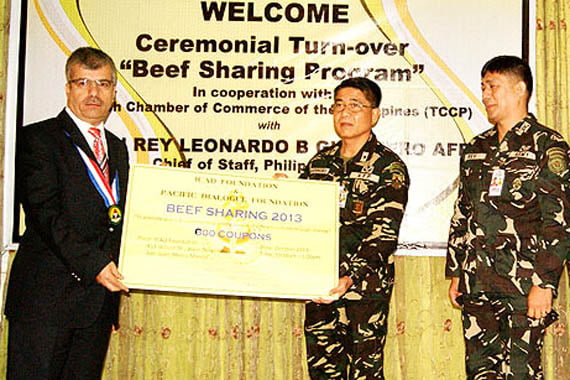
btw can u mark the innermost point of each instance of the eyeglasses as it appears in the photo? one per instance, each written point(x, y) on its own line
point(353, 107)
point(81, 83)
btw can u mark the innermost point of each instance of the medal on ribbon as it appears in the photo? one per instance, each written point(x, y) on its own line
point(115, 215)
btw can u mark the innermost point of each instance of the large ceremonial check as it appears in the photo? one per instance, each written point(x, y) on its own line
point(189, 231)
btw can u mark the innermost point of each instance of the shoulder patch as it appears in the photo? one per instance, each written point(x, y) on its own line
point(557, 160)
point(398, 173)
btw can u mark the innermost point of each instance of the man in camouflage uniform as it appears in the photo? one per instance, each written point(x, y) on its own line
point(345, 338)
point(509, 235)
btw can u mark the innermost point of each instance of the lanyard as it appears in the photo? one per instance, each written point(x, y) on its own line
point(110, 194)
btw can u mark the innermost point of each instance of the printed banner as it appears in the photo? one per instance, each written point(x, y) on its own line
point(245, 88)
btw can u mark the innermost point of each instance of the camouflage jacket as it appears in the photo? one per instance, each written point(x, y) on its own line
point(373, 194)
point(504, 239)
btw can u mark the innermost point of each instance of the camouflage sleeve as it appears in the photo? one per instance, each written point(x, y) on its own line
point(383, 220)
point(305, 173)
point(456, 248)
point(554, 234)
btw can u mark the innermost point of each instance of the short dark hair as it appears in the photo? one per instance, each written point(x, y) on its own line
point(91, 59)
point(509, 64)
point(369, 88)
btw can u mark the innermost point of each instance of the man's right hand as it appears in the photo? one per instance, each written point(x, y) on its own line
point(344, 283)
point(110, 278)
point(454, 291)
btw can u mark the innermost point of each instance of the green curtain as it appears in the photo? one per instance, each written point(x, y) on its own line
point(552, 95)
point(4, 24)
point(179, 336)
point(176, 336)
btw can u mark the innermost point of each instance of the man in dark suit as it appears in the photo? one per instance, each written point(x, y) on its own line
point(63, 292)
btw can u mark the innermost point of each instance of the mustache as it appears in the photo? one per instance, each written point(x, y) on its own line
point(93, 100)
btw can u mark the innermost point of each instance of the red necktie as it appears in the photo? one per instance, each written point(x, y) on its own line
point(99, 152)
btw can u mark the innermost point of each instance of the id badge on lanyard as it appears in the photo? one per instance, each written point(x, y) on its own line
point(497, 180)
point(343, 195)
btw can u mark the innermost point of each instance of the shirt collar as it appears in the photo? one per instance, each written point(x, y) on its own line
point(520, 127)
point(83, 125)
point(364, 153)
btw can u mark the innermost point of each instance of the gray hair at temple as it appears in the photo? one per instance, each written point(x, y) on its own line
point(91, 59)
point(369, 88)
point(512, 65)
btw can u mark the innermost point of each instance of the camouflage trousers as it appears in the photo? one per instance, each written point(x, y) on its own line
point(501, 341)
point(345, 340)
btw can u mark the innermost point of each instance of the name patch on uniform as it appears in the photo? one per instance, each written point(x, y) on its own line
point(529, 155)
point(366, 176)
point(320, 170)
point(475, 156)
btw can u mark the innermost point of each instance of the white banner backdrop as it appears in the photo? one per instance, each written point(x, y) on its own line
point(245, 87)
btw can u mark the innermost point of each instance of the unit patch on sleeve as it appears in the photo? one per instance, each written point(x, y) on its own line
point(557, 160)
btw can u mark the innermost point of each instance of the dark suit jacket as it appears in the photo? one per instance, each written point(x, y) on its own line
point(68, 238)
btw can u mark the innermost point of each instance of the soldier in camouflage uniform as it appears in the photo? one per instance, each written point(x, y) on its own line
point(345, 338)
point(509, 234)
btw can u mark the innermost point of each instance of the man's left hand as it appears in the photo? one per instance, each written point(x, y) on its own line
point(539, 302)
point(110, 278)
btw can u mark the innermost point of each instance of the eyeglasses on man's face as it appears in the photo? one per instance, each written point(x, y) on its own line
point(81, 83)
point(353, 107)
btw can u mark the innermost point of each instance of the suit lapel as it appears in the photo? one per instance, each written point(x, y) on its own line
point(113, 148)
point(77, 138)
point(74, 134)
point(117, 162)
point(111, 153)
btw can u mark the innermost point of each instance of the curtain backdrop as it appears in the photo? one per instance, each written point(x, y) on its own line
point(552, 95)
point(179, 336)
